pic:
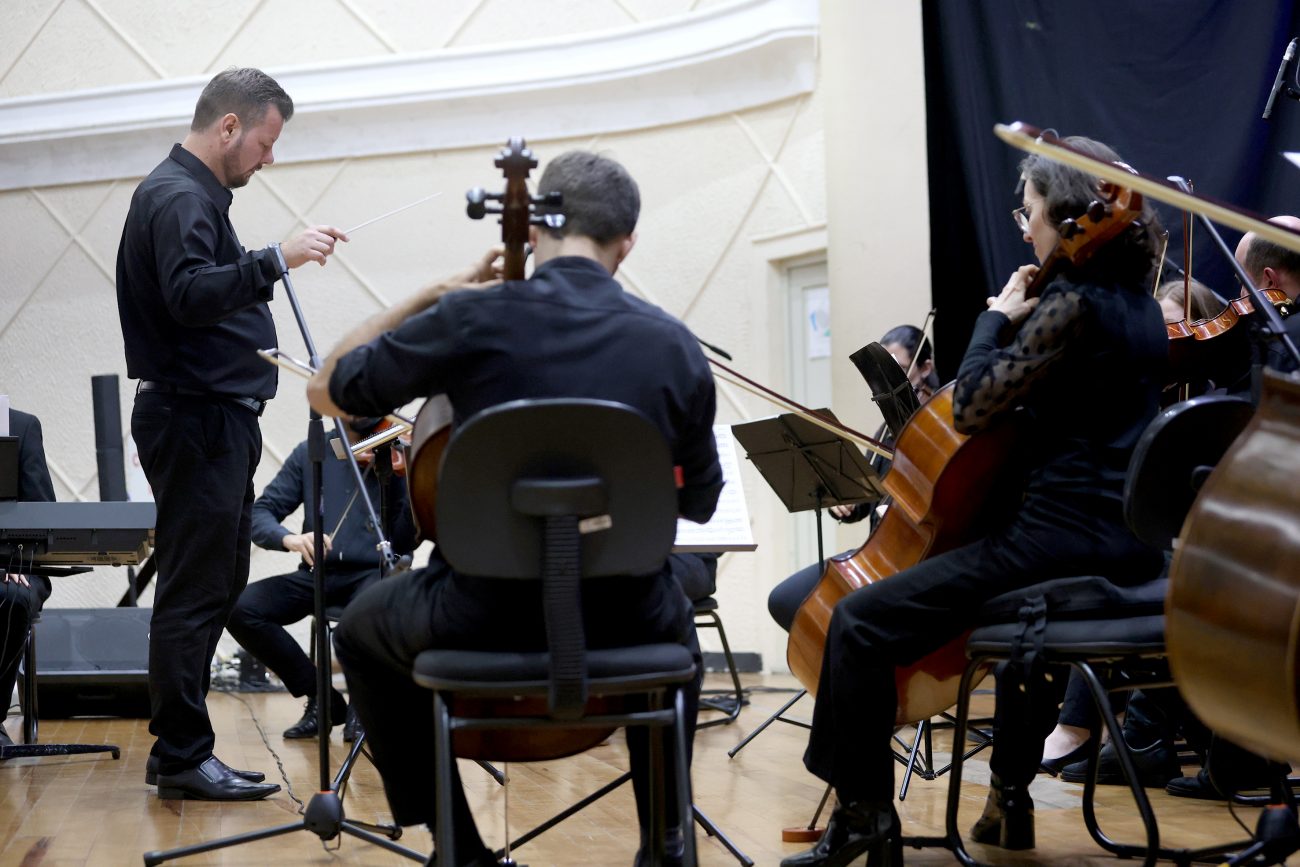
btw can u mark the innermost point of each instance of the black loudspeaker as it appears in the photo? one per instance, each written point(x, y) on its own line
point(108, 437)
point(92, 662)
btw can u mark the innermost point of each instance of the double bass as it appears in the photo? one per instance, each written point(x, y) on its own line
point(943, 483)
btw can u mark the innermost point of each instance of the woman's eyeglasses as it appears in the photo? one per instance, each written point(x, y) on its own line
point(1021, 216)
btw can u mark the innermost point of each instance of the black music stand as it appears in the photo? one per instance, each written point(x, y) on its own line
point(808, 466)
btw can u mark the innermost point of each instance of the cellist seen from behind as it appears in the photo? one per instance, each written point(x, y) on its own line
point(1084, 362)
point(568, 331)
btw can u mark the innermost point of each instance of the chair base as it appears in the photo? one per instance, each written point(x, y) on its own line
point(775, 717)
point(702, 820)
point(727, 701)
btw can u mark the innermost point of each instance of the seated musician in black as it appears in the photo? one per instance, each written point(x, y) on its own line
point(351, 563)
point(568, 331)
point(21, 596)
point(1272, 266)
point(1085, 364)
point(905, 343)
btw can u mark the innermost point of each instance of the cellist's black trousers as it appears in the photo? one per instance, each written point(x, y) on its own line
point(901, 619)
point(391, 622)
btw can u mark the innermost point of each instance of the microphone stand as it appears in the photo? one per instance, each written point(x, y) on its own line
point(323, 815)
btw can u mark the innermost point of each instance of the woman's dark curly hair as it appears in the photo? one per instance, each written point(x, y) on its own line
point(1128, 259)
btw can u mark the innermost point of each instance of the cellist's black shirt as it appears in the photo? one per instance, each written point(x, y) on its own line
point(192, 300)
point(1087, 367)
point(568, 331)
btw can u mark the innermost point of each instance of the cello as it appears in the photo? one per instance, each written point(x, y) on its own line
point(935, 481)
point(517, 206)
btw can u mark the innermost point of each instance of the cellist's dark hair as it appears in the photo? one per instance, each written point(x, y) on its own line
point(1067, 192)
point(601, 201)
point(246, 93)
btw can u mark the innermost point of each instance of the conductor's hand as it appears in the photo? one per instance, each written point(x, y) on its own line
point(1012, 302)
point(304, 545)
point(311, 245)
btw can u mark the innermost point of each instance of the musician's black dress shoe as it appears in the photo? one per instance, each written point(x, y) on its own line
point(211, 781)
point(151, 772)
point(352, 727)
point(674, 850)
point(309, 725)
point(854, 828)
point(1156, 765)
point(1008, 819)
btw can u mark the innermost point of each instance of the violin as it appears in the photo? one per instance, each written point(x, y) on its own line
point(366, 457)
point(433, 424)
point(944, 486)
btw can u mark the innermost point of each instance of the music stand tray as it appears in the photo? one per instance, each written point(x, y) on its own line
point(806, 465)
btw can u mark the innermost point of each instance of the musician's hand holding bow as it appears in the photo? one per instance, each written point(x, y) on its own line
point(304, 545)
point(16, 579)
point(1012, 303)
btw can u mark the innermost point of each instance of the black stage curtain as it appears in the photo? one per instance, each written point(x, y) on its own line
point(1175, 86)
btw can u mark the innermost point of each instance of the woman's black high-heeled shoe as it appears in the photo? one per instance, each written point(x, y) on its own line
point(861, 826)
point(1054, 766)
point(1008, 819)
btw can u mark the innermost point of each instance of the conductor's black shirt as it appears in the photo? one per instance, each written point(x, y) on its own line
point(192, 301)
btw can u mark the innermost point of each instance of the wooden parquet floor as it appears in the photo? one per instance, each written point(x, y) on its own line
point(91, 810)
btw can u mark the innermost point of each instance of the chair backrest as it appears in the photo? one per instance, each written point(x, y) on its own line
point(561, 491)
point(530, 455)
point(1172, 460)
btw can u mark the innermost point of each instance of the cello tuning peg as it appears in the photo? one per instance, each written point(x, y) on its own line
point(1097, 211)
point(475, 207)
point(554, 199)
point(551, 221)
point(1068, 229)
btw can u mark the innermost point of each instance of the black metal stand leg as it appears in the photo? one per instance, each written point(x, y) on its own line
point(712, 830)
point(731, 753)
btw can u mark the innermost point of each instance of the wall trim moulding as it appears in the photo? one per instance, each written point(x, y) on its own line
point(673, 70)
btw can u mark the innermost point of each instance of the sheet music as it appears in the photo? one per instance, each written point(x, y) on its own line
point(728, 529)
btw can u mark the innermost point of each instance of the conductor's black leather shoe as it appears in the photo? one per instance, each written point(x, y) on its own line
point(1008, 819)
point(352, 727)
point(151, 772)
point(854, 828)
point(309, 725)
point(211, 781)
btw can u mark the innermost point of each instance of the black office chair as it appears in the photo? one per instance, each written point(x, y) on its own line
point(31, 713)
point(1113, 636)
point(565, 492)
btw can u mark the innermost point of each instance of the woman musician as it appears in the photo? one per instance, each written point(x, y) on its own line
point(1084, 362)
